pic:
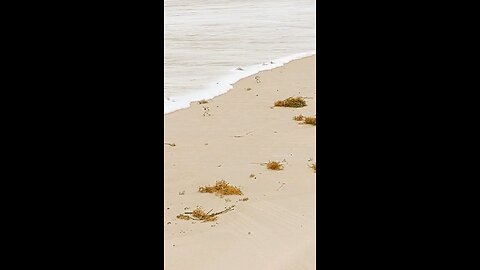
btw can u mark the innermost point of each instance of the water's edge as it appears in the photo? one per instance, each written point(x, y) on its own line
point(224, 84)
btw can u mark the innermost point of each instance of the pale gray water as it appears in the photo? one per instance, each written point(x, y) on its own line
point(205, 41)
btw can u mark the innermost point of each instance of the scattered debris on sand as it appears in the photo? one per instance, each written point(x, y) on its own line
point(240, 136)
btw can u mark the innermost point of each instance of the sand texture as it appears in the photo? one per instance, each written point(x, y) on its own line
point(231, 138)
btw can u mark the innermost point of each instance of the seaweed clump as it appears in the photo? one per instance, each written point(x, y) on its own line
point(291, 102)
point(221, 188)
point(274, 165)
point(310, 120)
point(199, 214)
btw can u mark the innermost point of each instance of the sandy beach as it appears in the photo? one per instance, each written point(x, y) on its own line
point(231, 138)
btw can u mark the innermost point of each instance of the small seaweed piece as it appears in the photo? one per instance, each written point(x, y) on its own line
point(314, 167)
point(184, 217)
point(299, 118)
point(274, 165)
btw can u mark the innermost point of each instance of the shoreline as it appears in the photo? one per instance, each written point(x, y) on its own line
point(225, 83)
point(229, 138)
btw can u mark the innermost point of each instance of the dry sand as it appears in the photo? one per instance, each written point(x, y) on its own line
point(275, 227)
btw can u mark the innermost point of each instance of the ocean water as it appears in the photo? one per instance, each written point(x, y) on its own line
point(211, 44)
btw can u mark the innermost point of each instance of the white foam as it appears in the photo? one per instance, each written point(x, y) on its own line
point(225, 83)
